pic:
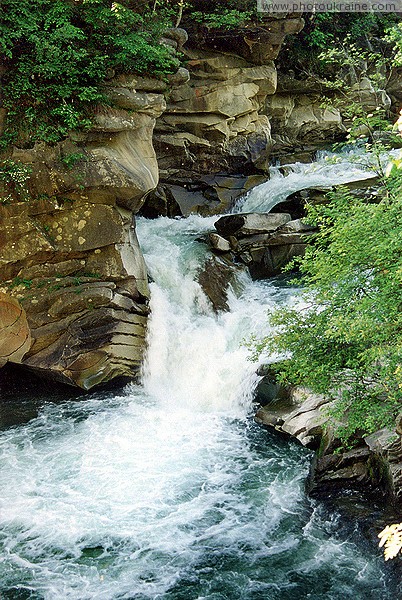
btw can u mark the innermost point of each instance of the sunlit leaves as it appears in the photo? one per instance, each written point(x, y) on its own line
point(391, 540)
point(348, 340)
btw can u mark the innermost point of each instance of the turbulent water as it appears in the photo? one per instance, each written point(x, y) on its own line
point(169, 490)
point(329, 169)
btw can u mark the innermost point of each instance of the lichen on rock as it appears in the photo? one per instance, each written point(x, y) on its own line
point(69, 255)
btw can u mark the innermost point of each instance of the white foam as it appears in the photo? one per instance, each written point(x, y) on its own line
point(328, 170)
point(121, 497)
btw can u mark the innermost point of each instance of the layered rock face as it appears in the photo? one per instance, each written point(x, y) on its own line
point(15, 336)
point(300, 119)
point(69, 255)
point(373, 465)
point(213, 126)
point(212, 119)
point(77, 270)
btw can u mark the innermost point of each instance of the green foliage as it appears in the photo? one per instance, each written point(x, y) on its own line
point(347, 340)
point(331, 41)
point(394, 36)
point(17, 281)
point(224, 19)
point(56, 53)
point(70, 160)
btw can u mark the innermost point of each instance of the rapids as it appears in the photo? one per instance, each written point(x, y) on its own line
point(169, 490)
point(329, 169)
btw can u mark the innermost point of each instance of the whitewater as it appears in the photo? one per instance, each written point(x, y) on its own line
point(168, 489)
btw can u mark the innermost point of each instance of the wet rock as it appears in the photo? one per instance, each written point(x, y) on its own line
point(183, 194)
point(268, 261)
point(218, 243)
point(265, 242)
point(160, 203)
point(269, 391)
point(374, 466)
point(335, 472)
point(215, 279)
point(298, 412)
point(250, 224)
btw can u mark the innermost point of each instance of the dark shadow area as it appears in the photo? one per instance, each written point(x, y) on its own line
point(23, 394)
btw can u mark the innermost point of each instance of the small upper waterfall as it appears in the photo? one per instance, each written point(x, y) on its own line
point(328, 170)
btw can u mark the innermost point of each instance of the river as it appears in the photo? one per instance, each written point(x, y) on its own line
point(169, 490)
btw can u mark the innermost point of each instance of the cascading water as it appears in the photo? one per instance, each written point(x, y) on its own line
point(329, 169)
point(169, 490)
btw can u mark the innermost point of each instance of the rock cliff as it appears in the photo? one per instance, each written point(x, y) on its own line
point(305, 114)
point(70, 256)
point(214, 141)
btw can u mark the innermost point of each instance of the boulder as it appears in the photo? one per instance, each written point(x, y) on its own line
point(177, 34)
point(215, 279)
point(296, 226)
point(297, 412)
point(373, 466)
point(268, 390)
point(218, 243)
point(265, 242)
point(269, 260)
point(249, 224)
point(181, 77)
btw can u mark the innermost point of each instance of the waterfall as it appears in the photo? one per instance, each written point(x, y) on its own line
point(168, 490)
point(206, 366)
point(328, 170)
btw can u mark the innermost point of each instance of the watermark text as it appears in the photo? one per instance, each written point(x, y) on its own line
point(273, 6)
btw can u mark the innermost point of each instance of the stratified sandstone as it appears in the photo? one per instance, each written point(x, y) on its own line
point(77, 270)
point(309, 113)
point(69, 255)
point(213, 126)
point(15, 336)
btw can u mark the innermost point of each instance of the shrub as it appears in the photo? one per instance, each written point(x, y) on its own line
point(56, 53)
point(347, 341)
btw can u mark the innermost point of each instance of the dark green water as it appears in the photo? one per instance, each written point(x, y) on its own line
point(117, 498)
point(169, 490)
